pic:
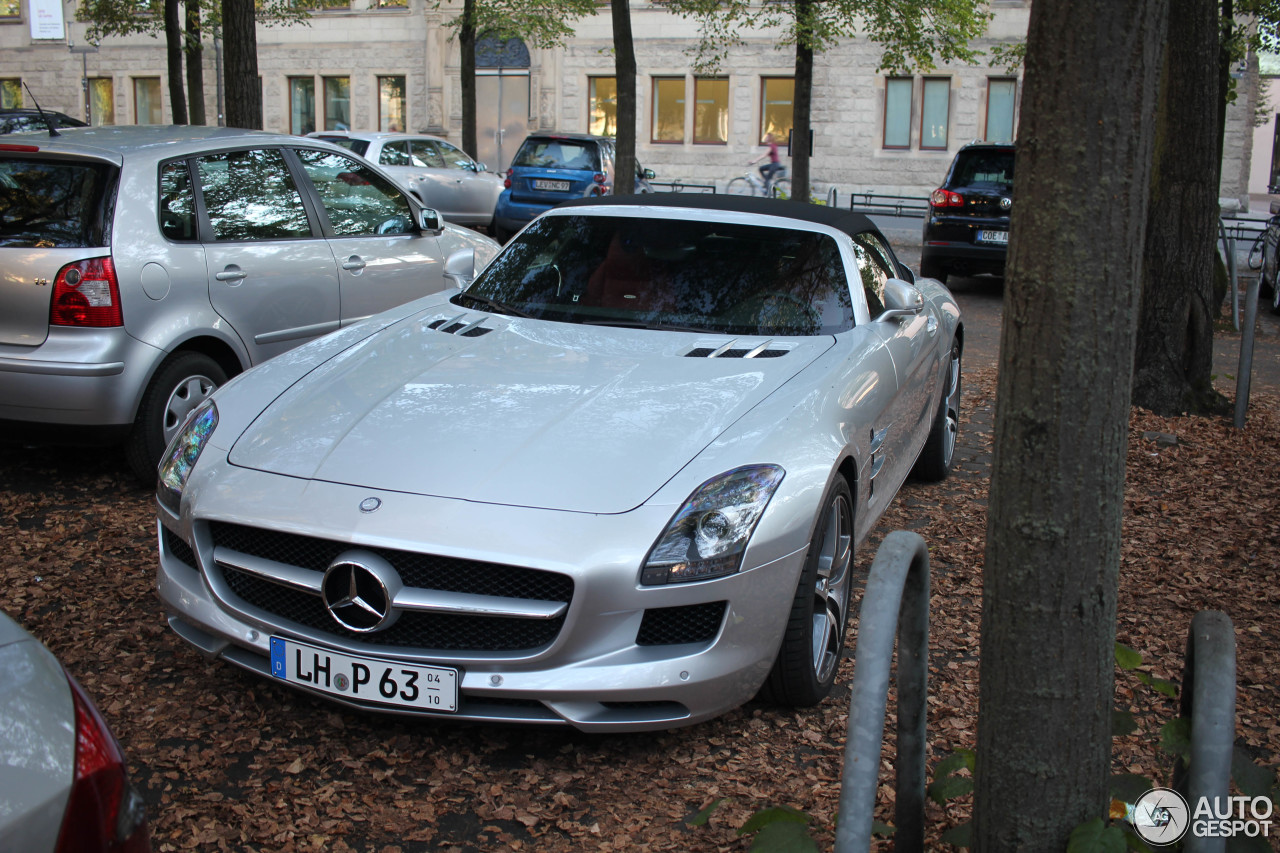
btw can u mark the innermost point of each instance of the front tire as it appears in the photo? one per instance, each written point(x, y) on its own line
point(182, 383)
point(934, 462)
point(809, 657)
point(740, 186)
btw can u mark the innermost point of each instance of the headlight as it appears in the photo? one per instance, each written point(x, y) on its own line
point(707, 536)
point(181, 456)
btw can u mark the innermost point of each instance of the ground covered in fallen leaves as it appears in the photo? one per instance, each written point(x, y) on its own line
point(229, 762)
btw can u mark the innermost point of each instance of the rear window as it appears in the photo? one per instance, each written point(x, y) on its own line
point(359, 146)
point(573, 154)
point(48, 205)
point(978, 168)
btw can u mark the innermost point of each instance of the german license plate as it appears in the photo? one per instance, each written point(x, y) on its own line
point(557, 186)
point(1001, 237)
point(430, 688)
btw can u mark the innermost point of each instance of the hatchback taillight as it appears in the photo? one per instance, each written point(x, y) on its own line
point(86, 294)
point(105, 814)
point(599, 177)
point(507, 182)
point(946, 198)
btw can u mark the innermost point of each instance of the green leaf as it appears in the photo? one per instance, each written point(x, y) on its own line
point(1175, 738)
point(773, 814)
point(1250, 778)
point(953, 762)
point(1096, 837)
point(1127, 658)
point(1134, 842)
point(784, 838)
point(960, 835)
point(701, 818)
point(1130, 786)
point(1168, 688)
point(883, 830)
point(1122, 723)
point(949, 787)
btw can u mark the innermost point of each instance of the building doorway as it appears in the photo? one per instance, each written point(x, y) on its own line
point(502, 99)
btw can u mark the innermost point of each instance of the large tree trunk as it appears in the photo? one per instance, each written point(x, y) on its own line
point(1062, 415)
point(624, 55)
point(467, 43)
point(1173, 363)
point(173, 45)
point(240, 65)
point(801, 126)
point(195, 64)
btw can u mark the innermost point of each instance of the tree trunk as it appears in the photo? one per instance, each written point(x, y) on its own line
point(240, 65)
point(624, 54)
point(173, 44)
point(467, 43)
point(1173, 363)
point(1062, 416)
point(195, 64)
point(801, 127)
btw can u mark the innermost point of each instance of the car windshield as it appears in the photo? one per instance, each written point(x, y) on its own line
point(45, 204)
point(993, 168)
point(671, 274)
point(559, 154)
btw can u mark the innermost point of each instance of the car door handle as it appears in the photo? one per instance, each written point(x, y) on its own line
point(230, 274)
point(355, 263)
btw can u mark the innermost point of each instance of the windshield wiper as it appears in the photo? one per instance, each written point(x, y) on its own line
point(493, 304)
point(640, 324)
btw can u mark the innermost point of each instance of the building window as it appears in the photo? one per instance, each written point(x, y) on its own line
point(337, 103)
point(11, 93)
point(302, 105)
point(147, 106)
point(1001, 97)
point(668, 109)
point(390, 4)
point(897, 112)
point(102, 101)
point(777, 99)
point(602, 106)
point(391, 104)
point(935, 102)
point(10, 8)
point(711, 110)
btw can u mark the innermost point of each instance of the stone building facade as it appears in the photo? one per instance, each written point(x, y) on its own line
point(383, 64)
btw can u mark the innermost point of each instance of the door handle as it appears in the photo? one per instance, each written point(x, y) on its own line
point(232, 273)
point(355, 263)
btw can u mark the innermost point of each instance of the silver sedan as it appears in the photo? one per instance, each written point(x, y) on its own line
point(617, 482)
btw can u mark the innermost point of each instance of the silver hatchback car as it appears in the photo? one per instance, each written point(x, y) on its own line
point(144, 266)
point(441, 174)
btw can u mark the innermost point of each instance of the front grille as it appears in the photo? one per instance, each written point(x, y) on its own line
point(668, 626)
point(426, 631)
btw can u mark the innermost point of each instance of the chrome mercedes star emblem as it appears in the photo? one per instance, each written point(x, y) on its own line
point(358, 590)
point(370, 504)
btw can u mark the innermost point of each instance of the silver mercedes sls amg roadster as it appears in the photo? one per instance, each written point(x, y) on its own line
point(616, 480)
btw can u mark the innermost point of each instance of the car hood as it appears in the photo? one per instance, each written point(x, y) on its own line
point(527, 413)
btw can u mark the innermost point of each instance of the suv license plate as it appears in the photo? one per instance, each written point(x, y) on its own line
point(1001, 237)
point(558, 186)
point(430, 688)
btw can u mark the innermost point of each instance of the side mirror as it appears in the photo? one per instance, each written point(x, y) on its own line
point(649, 174)
point(480, 167)
point(460, 268)
point(429, 221)
point(901, 300)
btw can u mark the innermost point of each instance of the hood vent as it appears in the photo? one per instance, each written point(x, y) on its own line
point(456, 326)
point(730, 351)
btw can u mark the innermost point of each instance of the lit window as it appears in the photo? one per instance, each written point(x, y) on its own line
point(777, 96)
point(337, 103)
point(897, 112)
point(11, 93)
point(147, 106)
point(711, 110)
point(1001, 98)
point(10, 8)
point(391, 104)
point(602, 106)
point(935, 104)
point(302, 105)
point(102, 101)
point(668, 109)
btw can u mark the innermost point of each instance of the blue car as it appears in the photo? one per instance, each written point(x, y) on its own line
point(551, 168)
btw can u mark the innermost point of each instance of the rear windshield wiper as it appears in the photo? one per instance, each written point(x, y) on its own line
point(492, 304)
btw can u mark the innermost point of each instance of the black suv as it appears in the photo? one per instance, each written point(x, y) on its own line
point(967, 229)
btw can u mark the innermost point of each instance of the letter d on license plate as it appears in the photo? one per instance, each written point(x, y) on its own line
point(363, 679)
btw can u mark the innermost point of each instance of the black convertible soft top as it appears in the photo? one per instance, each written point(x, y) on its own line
point(844, 220)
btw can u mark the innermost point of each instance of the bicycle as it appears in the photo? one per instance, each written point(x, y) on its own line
point(1264, 255)
point(752, 184)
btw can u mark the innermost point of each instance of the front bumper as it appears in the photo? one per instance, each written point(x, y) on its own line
point(593, 674)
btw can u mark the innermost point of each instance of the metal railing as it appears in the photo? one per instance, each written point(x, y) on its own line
point(913, 207)
point(682, 186)
point(896, 601)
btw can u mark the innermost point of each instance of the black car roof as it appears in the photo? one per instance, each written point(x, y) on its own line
point(842, 220)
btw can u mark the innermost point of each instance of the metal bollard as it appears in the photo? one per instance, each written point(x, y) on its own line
point(1209, 700)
